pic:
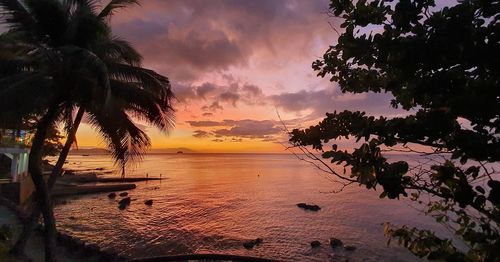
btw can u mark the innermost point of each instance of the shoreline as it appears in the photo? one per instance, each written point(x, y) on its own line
point(74, 249)
point(69, 248)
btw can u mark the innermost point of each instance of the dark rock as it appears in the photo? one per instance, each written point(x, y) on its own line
point(123, 194)
point(92, 250)
point(79, 243)
point(65, 238)
point(315, 244)
point(148, 202)
point(250, 244)
point(112, 195)
point(72, 218)
point(122, 204)
point(107, 255)
point(125, 201)
point(60, 237)
point(335, 242)
point(350, 248)
point(75, 244)
point(309, 207)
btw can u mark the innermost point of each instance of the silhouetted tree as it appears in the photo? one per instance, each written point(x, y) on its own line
point(60, 56)
point(26, 125)
point(442, 66)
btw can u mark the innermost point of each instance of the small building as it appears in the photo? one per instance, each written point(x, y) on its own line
point(15, 183)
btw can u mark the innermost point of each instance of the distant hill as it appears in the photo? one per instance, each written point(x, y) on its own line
point(171, 150)
point(102, 151)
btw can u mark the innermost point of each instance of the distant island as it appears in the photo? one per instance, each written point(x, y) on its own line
point(102, 151)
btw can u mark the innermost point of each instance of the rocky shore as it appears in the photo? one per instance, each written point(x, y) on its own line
point(69, 248)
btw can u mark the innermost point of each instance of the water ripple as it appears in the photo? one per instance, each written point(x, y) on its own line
point(214, 203)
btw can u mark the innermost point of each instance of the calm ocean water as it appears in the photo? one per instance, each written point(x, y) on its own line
point(212, 203)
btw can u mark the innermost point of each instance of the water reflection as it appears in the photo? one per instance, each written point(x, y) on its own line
point(215, 202)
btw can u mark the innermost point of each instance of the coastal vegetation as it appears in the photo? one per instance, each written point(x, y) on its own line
point(440, 65)
point(60, 59)
point(61, 65)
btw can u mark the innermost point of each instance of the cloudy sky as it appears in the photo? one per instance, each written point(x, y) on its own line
point(234, 66)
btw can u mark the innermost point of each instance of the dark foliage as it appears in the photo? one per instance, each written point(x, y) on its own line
point(442, 66)
point(59, 56)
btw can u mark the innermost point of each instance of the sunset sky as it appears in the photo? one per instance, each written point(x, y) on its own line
point(234, 65)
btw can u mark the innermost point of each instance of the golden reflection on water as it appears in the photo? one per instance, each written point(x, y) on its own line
point(215, 202)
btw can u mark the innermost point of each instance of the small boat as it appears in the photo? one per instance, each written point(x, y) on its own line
point(180, 152)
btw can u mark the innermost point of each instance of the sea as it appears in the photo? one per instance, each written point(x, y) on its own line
point(213, 203)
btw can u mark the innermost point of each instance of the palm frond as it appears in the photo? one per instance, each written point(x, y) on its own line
point(145, 105)
point(72, 5)
point(13, 82)
point(117, 50)
point(125, 140)
point(147, 78)
point(51, 19)
point(112, 6)
point(82, 59)
point(16, 16)
point(29, 95)
point(67, 116)
point(85, 28)
point(64, 49)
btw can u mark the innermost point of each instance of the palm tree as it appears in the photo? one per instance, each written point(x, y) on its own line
point(62, 56)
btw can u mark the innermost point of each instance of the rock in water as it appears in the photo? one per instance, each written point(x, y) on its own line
point(350, 248)
point(112, 195)
point(315, 244)
point(309, 207)
point(335, 242)
point(122, 204)
point(125, 201)
point(302, 205)
point(124, 194)
point(92, 250)
point(148, 202)
point(250, 244)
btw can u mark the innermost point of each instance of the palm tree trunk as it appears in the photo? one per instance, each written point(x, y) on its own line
point(57, 170)
point(31, 222)
point(42, 191)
